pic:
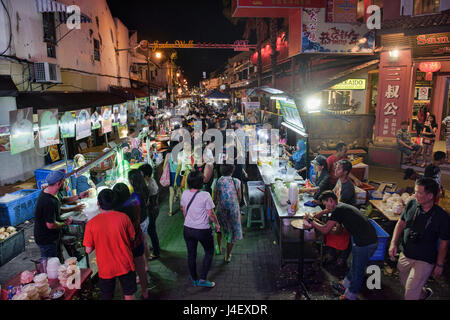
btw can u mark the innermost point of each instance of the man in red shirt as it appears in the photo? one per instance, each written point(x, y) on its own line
point(110, 234)
point(341, 153)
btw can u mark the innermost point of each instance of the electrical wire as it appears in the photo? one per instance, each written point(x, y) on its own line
point(10, 28)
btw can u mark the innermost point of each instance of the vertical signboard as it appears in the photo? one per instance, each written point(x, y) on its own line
point(83, 129)
point(48, 127)
point(22, 137)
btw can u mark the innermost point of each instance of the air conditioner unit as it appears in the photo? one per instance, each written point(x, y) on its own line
point(47, 72)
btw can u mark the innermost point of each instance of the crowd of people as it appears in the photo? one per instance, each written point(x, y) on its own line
point(210, 195)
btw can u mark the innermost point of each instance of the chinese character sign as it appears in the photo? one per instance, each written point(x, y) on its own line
point(320, 36)
point(392, 100)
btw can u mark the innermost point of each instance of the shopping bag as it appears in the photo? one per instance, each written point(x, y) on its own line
point(165, 177)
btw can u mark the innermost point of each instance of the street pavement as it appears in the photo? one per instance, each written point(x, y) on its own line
point(253, 274)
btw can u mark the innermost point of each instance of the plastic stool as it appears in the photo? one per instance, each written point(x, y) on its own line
point(250, 219)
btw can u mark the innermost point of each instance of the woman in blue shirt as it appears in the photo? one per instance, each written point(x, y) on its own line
point(298, 158)
point(83, 182)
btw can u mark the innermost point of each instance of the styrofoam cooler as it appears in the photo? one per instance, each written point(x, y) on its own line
point(256, 191)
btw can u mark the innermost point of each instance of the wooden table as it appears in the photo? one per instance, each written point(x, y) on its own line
point(380, 205)
point(54, 283)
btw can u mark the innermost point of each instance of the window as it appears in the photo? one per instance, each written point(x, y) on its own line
point(252, 70)
point(426, 6)
point(48, 21)
point(51, 50)
point(96, 50)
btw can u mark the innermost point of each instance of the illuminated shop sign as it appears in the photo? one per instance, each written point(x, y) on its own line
point(351, 84)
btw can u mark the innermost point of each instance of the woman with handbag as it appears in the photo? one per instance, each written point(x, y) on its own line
point(428, 137)
point(227, 196)
point(198, 210)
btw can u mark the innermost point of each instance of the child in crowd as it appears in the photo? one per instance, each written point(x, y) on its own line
point(433, 171)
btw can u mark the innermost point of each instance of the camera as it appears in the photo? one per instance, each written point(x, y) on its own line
point(414, 236)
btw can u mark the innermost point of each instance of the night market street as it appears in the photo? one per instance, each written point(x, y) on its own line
point(198, 153)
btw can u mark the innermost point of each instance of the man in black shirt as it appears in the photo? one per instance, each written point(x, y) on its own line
point(47, 227)
point(365, 241)
point(424, 242)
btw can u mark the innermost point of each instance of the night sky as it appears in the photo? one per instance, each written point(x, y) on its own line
point(168, 20)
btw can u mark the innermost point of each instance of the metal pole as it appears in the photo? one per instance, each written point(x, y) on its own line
point(67, 164)
point(106, 137)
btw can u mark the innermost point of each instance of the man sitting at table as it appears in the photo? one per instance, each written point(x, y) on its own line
point(364, 238)
point(341, 153)
point(405, 145)
point(424, 241)
point(110, 234)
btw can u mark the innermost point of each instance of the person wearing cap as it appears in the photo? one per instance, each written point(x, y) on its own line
point(48, 224)
point(323, 180)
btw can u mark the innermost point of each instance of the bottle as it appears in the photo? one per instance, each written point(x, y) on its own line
point(10, 292)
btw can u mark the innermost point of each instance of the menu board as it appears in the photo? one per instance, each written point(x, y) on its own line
point(83, 126)
point(290, 114)
point(123, 114)
point(123, 131)
point(106, 119)
point(95, 120)
point(22, 137)
point(115, 115)
point(48, 127)
point(251, 112)
point(67, 125)
point(4, 139)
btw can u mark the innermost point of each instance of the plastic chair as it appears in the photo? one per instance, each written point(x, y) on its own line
point(250, 207)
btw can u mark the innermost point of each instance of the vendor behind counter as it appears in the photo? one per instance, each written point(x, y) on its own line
point(83, 182)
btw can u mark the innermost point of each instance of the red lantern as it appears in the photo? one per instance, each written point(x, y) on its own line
point(429, 68)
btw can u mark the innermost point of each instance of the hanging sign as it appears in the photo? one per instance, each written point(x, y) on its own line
point(22, 137)
point(95, 120)
point(123, 131)
point(323, 37)
point(4, 139)
point(290, 114)
point(48, 127)
point(351, 84)
point(341, 11)
point(252, 112)
point(115, 115)
point(67, 125)
point(83, 126)
point(123, 113)
point(106, 119)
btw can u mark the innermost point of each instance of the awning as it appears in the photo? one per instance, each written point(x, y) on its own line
point(54, 6)
point(214, 94)
point(67, 101)
point(7, 87)
point(263, 90)
point(327, 74)
point(128, 93)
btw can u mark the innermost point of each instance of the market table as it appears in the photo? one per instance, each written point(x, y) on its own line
point(268, 179)
point(54, 283)
point(287, 234)
point(380, 205)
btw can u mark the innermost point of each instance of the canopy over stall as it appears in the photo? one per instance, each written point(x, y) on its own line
point(289, 109)
point(216, 95)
